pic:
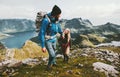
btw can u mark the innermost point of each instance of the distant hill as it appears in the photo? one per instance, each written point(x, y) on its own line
point(76, 25)
point(108, 28)
point(16, 25)
point(84, 26)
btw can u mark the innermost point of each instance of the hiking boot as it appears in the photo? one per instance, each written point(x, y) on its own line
point(66, 58)
point(48, 68)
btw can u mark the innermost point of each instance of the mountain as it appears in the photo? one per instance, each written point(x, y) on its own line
point(77, 26)
point(84, 26)
point(78, 23)
point(16, 25)
point(108, 28)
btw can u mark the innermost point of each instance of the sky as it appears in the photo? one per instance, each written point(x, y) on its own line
point(97, 11)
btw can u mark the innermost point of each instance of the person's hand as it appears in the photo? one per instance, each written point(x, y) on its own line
point(62, 37)
point(44, 50)
point(47, 37)
point(58, 35)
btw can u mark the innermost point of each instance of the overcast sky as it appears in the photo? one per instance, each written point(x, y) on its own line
point(97, 11)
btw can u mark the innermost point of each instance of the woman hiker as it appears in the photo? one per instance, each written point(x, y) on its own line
point(65, 44)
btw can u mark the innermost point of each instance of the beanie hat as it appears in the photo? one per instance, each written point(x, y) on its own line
point(56, 11)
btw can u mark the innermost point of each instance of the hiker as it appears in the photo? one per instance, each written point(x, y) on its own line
point(47, 35)
point(65, 44)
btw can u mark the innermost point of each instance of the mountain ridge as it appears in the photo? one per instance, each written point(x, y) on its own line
point(16, 25)
point(76, 25)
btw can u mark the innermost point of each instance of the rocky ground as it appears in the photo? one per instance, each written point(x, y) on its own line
point(85, 62)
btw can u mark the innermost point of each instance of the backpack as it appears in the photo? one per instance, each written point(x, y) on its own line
point(39, 17)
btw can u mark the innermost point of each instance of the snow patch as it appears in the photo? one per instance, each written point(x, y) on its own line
point(113, 43)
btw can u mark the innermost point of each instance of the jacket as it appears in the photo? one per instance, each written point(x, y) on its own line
point(49, 28)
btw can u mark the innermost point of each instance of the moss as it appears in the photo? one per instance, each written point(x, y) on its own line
point(86, 43)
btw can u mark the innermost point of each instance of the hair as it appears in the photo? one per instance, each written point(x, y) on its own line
point(68, 34)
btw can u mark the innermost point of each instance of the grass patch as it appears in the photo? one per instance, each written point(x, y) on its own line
point(71, 69)
point(2, 54)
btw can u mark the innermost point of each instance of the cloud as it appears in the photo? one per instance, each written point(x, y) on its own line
point(97, 12)
point(91, 11)
point(16, 12)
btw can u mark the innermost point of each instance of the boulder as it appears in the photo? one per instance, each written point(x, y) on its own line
point(109, 70)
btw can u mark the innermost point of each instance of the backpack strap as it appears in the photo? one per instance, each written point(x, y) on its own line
point(46, 16)
point(47, 29)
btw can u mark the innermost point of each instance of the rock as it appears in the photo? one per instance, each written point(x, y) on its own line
point(9, 72)
point(26, 55)
point(15, 64)
point(101, 54)
point(79, 65)
point(85, 55)
point(107, 69)
point(10, 54)
point(31, 61)
point(10, 63)
point(70, 71)
point(78, 73)
point(44, 59)
point(2, 46)
point(59, 56)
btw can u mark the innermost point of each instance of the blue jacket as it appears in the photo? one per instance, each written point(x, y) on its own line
point(53, 28)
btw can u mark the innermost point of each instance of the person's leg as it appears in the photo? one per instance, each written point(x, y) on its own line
point(67, 53)
point(51, 53)
point(54, 48)
point(63, 52)
point(64, 57)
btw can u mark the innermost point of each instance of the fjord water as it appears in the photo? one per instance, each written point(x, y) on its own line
point(17, 40)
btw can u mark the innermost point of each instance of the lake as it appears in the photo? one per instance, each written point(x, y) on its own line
point(16, 40)
point(112, 43)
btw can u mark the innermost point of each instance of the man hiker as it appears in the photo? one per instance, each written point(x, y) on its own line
point(47, 35)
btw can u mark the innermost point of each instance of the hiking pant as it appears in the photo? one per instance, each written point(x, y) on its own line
point(51, 48)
